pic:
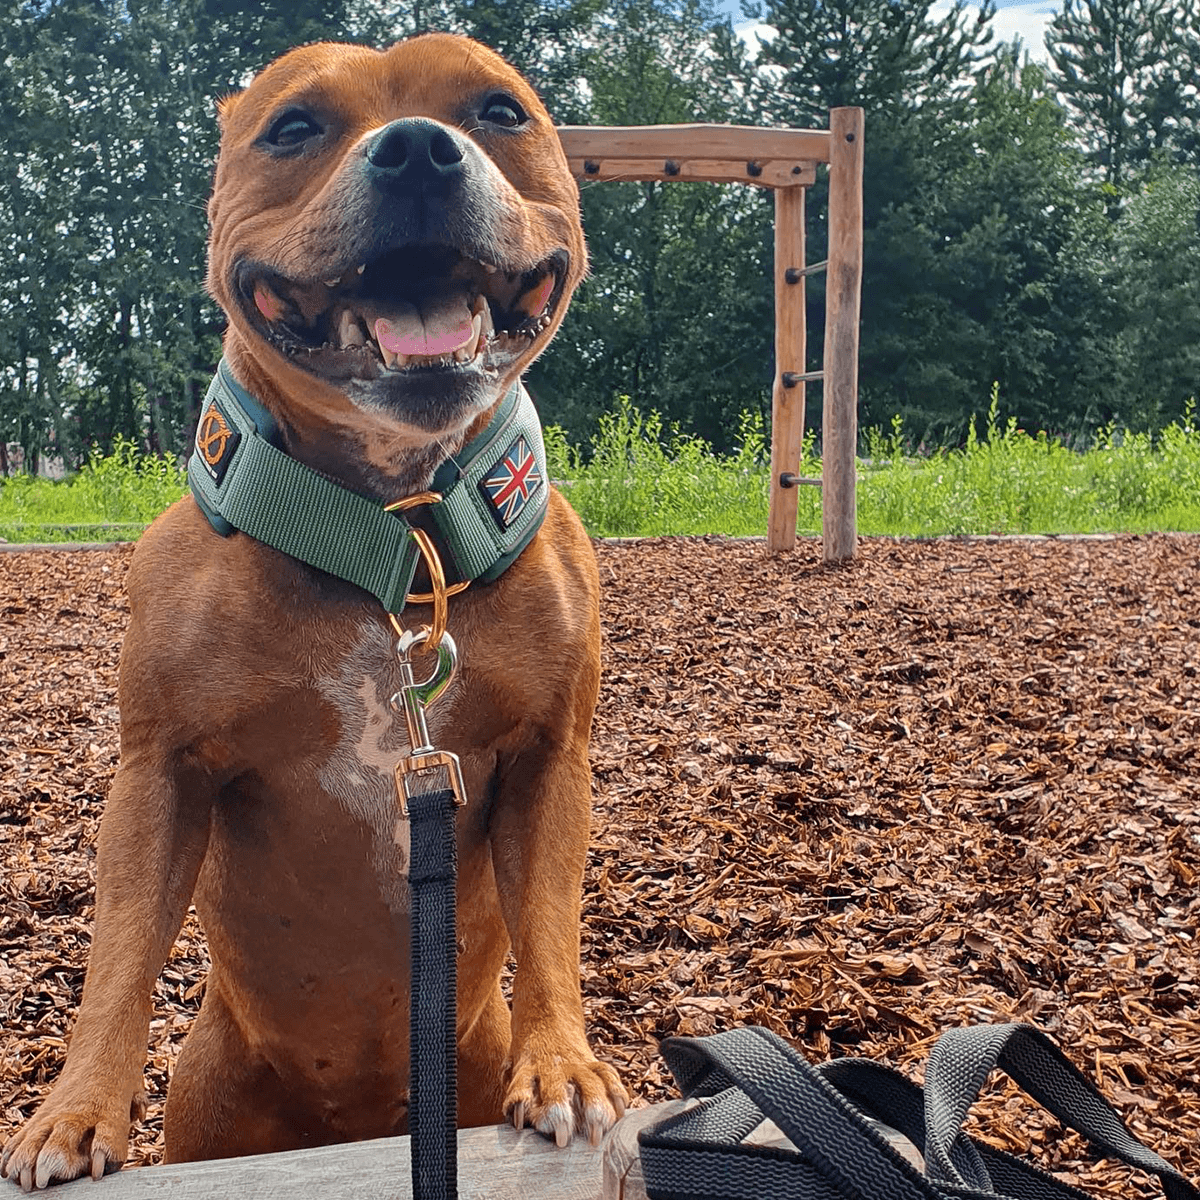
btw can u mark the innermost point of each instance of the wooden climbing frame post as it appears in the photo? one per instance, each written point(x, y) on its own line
point(787, 394)
point(784, 160)
point(843, 287)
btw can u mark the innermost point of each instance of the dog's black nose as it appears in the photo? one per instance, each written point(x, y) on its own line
point(414, 153)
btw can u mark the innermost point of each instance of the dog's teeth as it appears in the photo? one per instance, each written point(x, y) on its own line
point(392, 360)
point(481, 322)
point(350, 331)
point(489, 268)
point(332, 283)
point(361, 268)
point(465, 353)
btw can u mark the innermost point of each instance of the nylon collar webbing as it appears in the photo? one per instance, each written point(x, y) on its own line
point(494, 495)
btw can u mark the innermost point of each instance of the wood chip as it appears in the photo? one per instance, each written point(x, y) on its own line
point(951, 782)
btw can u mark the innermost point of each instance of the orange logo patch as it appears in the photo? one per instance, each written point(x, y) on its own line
point(212, 438)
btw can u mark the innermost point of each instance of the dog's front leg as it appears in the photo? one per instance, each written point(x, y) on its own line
point(539, 844)
point(151, 844)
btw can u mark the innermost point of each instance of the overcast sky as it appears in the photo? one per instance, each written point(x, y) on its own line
point(1027, 18)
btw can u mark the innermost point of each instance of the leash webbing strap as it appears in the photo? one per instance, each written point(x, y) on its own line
point(747, 1074)
point(433, 1053)
point(494, 497)
point(832, 1115)
point(959, 1065)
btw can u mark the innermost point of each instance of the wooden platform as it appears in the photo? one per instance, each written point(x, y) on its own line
point(495, 1163)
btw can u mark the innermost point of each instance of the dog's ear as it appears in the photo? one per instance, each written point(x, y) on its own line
point(225, 106)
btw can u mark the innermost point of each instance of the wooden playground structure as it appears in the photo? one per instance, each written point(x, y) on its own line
point(784, 160)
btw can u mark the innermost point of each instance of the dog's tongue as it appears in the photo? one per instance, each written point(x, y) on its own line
point(437, 327)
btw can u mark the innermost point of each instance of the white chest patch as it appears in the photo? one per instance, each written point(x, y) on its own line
point(359, 773)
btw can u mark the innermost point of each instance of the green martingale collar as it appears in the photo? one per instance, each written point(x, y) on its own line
point(494, 495)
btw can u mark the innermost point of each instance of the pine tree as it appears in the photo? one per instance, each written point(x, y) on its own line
point(887, 57)
point(1126, 71)
point(912, 72)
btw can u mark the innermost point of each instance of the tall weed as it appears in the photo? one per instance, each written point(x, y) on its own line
point(1008, 481)
point(126, 490)
point(641, 478)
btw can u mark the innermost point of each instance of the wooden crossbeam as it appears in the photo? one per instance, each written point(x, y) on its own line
point(725, 143)
point(771, 174)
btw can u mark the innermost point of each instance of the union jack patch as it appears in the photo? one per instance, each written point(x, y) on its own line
point(511, 482)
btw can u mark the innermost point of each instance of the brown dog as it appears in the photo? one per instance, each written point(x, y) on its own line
point(395, 237)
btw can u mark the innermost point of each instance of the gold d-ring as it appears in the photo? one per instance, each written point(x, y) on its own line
point(433, 564)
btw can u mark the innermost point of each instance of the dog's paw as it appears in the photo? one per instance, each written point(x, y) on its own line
point(71, 1137)
point(561, 1095)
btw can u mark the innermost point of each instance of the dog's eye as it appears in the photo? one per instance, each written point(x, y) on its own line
point(292, 129)
point(504, 111)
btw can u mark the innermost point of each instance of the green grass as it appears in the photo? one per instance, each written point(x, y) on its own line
point(640, 478)
point(112, 498)
point(1010, 482)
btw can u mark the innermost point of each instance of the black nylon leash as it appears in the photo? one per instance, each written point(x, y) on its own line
point(433, 1056)
point(433, 937)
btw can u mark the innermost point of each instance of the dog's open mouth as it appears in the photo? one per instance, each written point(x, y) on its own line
point(423, 308)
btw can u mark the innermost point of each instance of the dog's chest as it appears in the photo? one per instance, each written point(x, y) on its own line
point(358, 771)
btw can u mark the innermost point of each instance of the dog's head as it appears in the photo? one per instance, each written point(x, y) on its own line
point(394, 233)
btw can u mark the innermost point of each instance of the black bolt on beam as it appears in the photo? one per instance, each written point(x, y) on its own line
point(791, 378)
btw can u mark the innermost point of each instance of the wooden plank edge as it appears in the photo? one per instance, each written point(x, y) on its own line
point(12, 547)
point(738, 143)
point(495, 1163)
point(772, 174)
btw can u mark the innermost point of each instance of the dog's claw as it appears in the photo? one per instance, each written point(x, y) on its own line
point(562, 1134)
point(518, 1115)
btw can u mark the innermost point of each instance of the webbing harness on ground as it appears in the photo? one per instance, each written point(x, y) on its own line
point(831, 1114)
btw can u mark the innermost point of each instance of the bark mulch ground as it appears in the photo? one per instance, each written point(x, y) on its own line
point(952, 782)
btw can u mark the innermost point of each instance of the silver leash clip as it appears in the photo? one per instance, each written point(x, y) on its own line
point(425, 769)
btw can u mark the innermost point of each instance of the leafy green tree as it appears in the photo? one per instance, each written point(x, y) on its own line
point(677, 312)
point(992, 271)
point(38, 284)
point(989, 255)
point(112, 107)
point(1155, 272)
